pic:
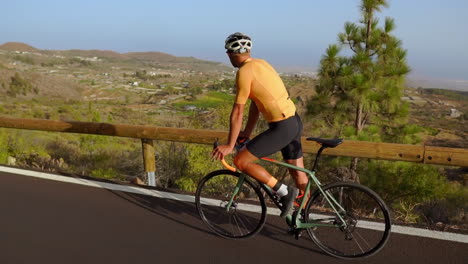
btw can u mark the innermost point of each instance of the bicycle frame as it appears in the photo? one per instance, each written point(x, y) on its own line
point(293, 220)
point(233, 206)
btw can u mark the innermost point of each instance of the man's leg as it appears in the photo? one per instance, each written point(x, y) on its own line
point(244, 161)
point(300, 178)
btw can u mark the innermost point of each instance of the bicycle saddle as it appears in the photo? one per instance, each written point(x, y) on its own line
point(327, 143)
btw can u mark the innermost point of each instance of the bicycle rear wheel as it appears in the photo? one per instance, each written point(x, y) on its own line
point(245, 217)
point(366, 216)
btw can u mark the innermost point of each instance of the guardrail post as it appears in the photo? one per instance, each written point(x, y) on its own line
point(149, 161)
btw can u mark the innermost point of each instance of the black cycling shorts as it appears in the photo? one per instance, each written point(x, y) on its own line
point(284, 135)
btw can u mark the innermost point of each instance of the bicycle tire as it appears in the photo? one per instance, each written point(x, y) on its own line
point(246, 216)
point(367, 217)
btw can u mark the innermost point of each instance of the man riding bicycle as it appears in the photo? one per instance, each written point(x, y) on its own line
point(258, 81)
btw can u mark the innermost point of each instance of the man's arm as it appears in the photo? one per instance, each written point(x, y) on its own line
point(234, 130)
point(236, 123)
point(243, 83)
point(251, 121)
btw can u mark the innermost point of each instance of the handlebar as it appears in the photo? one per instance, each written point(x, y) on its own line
point(227, 166)
point(239, 145)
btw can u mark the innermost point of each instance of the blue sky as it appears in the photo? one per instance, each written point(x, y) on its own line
point(286, 33)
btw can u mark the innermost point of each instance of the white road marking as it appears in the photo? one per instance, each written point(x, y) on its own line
point(188, 198)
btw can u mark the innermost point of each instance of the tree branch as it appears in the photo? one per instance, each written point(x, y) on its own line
point(364, 119)
point(328, 121)
point(376, 51)
point(350, 46)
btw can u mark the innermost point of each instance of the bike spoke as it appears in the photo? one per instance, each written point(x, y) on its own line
point(362, 238)
point(235, 223)
point(357, 242)
point(246, 219)
point(231, 225)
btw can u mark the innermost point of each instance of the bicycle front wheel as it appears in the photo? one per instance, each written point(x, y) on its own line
point(243, 218)
point(359, 229)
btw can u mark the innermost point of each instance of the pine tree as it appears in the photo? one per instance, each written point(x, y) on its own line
point(365, 87)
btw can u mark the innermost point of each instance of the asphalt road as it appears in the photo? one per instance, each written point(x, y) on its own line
point(44, 221)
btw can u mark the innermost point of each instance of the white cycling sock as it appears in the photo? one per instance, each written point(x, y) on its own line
point(283, 190)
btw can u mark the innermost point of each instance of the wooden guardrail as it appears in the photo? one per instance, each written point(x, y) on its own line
point(362, 149)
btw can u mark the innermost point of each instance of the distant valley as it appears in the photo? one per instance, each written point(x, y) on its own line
point(159, 88)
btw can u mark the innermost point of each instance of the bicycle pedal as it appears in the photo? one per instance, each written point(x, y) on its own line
point(276, 198)
point(298, 233)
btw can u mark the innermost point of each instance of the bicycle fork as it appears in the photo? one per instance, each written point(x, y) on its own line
point(236, 191)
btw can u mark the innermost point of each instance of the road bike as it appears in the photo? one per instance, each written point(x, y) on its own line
point(345, 219)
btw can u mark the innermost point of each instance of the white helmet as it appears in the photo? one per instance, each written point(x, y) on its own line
point(238, 43)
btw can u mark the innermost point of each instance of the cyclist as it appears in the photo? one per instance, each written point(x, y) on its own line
point(258, 81)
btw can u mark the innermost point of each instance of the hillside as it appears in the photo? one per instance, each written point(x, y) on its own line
point(41, 85)
point(89, 53)
point(28, 72)
point(444, 112)
point(150, 56)
point(18, 46)
point(157, 56)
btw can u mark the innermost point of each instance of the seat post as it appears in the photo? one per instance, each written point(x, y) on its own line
point(317, 157)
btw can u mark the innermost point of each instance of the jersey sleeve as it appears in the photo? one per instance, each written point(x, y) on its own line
point(244, 80)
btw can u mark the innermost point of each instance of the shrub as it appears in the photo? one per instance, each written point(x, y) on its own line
point(25, 59)
point(451, 209)
point(403, 181)
point(4, 153)
point(171, 163)
point(104, 173)
point(18, 85)
point(416, 192)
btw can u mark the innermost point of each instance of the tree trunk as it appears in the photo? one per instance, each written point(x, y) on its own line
point(359, 119)
point(359, 122)
point(353, 168)
point(358, 125)
point(368, 31)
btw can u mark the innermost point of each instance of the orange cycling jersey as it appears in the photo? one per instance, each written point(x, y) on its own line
point(257, 80)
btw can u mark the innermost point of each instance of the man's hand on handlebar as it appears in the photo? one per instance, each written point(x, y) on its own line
point(221, 151)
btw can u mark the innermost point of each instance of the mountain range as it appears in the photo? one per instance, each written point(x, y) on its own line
point(159, 57)
point(413, 80)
